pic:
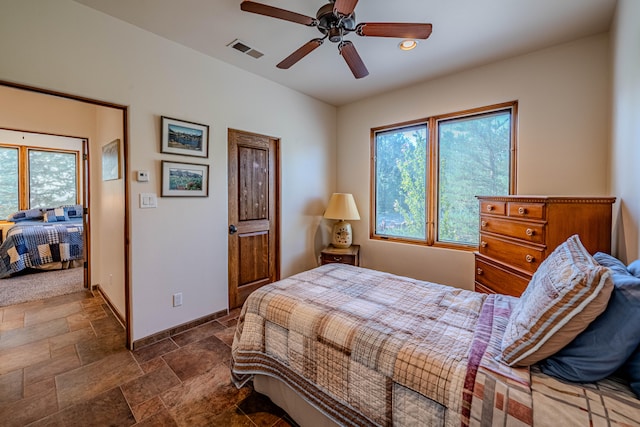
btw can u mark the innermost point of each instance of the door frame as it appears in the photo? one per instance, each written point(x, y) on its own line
point(125, 160)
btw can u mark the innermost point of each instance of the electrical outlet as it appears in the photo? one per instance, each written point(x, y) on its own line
point(177, 299)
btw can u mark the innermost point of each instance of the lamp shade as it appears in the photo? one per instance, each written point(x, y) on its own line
point(342, 206)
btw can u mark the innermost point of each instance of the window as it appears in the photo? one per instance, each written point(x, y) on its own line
point(428, 172)
point(37, 178)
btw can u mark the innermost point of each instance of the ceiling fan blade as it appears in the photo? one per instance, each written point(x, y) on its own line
point(397, 29)
point(303, 51)
point(350, 55)
point(276, 12)
point(345, 7)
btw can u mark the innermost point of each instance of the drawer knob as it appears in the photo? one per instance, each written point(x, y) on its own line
point(529, 232)
point(483, 244)
point(337, 258)
point(529, 258)
point(522, 210)
point(483, 223)
point(489, 208)
point(479, 271)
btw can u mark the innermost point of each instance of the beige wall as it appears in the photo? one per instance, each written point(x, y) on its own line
point(182, 245)
point(625, 147)
point(564, 96)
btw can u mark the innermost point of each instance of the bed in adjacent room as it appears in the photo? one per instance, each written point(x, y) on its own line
point(42, 239)
point(344, 345)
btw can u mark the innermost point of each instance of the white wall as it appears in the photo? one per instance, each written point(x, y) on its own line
point(182, 245)
point(564, 115)
point(625, 147)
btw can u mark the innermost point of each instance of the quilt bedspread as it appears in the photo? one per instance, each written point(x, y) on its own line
point(372, 348)
point(32, 244)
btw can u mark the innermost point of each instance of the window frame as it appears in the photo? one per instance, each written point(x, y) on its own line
point(433, 172)
point(24, 173)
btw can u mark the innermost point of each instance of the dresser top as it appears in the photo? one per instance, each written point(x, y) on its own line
point(549, 199)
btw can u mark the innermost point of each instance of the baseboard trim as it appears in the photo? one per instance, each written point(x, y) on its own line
point(158, 336)
point(110, 304)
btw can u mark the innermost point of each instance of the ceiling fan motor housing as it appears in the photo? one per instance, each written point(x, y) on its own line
point(333, 25)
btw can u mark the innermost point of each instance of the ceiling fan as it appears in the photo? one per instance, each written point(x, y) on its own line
point(335, 20)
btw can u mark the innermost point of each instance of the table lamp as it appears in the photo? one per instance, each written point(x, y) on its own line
point(342, 207)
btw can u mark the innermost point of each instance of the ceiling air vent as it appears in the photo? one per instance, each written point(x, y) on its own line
point(244, 48)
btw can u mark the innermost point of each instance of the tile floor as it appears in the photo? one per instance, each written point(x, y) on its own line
point(63, 363)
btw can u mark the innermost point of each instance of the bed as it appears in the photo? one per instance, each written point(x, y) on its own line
point(53, 240)
point(345, 345)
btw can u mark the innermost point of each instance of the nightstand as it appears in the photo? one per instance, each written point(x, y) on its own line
point(350, 255)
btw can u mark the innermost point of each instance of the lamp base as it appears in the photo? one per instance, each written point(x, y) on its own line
point(341, 236)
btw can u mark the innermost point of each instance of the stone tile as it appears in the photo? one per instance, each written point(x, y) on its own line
point(63, 299)
point(29, 334)
point(200, 399)
point(149, 385)
point(260, 409)
point(94, 349)
point(198, 357)
point(161, 419)
point(88, 381)
point(153, 364)
point(37, 315)
point(106, 409)
point(41, 387)
point(11, 386)
point(230, 319)
point(226, 335)
point(25, 411)
point(70, 338)
point(17, 311)
point(107, 325)
point(50, 368)
point(95, 312)
point(232, 417)
point(23, 356)
point(154, 350)
point(147, 409)
point(197, 333)
point(78, 321)
point(11, 324)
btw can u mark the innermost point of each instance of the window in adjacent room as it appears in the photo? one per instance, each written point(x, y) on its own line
point(427, 173)
point(37, 178)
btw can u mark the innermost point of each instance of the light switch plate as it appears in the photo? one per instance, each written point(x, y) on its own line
point(148, 200)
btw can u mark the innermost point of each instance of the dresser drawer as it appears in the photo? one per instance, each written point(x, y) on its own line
point(526, 210)
point(527, 231)
point(498, 279)
point(522, 256)
point(493, 207)
point(341, 259)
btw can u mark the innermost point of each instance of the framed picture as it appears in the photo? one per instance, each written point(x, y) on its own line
point(111, 161)
point(184, 179)
point(186, 138)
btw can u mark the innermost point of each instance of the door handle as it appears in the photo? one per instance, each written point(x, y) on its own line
point(233, 229)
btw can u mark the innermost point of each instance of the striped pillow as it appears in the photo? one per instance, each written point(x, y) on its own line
point(567, 292)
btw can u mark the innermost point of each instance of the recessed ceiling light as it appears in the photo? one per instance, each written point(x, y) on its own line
point(407, 44)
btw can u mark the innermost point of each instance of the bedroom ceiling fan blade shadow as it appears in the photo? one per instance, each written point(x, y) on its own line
point(353, 60)
point(300, 53)
point(394, 29)
point(345, 7)
point(276, 12)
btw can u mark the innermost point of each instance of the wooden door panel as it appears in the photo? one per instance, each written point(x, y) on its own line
point(253, 214)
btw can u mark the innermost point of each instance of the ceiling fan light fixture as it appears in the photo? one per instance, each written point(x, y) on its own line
point(407, 44)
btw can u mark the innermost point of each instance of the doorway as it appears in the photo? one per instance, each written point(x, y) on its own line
point(254, 249)
point(39, 110)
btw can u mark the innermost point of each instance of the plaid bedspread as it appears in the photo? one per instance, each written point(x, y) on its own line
point(369, 348)
point(32, 244)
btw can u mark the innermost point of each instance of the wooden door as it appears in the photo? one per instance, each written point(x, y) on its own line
point(253, 214)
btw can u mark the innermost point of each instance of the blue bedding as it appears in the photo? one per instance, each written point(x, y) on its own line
point(35, 243)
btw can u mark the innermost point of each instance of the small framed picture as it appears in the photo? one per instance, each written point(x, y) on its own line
point(186, 138)
point(111, 161)
point(184, 179)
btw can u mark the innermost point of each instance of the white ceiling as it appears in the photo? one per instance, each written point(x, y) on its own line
point(466, 33)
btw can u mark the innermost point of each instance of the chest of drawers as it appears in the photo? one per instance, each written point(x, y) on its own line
point(518, 232)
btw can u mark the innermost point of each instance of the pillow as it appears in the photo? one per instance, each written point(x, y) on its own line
point(632, 369)
point(73, 211)
point(607, 342)
point(55, 215)
point(30, 214)
point(613, 263)
point(634, 268)
point(565, 294)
